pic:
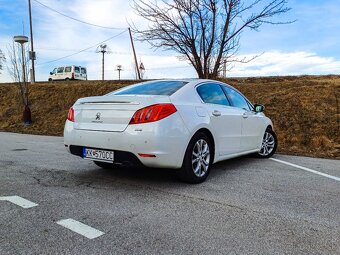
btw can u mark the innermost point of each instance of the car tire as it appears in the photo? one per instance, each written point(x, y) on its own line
point(198, 159)
point(269, 144)
point(49, 79)
point(104, 165)
point(67, 79)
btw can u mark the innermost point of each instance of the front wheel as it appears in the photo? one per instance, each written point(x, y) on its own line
point(198, 159)
point(269, 144)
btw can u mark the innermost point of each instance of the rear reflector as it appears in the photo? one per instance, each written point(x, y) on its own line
point(147, 155)
point(152, 113)
point(70, 115)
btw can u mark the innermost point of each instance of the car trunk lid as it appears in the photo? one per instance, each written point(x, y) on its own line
point(112, 112)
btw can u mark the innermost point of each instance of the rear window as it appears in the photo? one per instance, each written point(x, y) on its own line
point(163, 88)
point(83, 71)
point(76, 69)
point(68, 69)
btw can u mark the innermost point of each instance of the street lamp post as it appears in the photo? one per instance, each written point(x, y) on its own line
point(21, 39)
point(32, 52)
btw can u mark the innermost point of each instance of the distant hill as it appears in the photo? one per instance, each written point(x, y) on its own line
point(304, 109)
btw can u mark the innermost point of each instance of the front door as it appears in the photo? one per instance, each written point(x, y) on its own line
point(251, 122)
point(252, 130)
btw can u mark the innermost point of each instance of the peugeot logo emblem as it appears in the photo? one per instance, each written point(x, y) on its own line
point(98, 116)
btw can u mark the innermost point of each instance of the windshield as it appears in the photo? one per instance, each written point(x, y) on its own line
point(164, 88)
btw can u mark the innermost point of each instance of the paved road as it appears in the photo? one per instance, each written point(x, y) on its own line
point(247, 206)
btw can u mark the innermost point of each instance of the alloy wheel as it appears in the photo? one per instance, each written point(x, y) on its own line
point(200, 158)
point(268, 144)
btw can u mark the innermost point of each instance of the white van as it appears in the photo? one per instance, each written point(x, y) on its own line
point(68, 73)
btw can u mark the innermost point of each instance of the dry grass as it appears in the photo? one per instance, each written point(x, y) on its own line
point(304, 109)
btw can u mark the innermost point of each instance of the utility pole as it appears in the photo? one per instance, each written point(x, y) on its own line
point(102, 49)
point(32, 53)
point(134, 54)
point(103, 52)
point(224, 68)
point(119, 68)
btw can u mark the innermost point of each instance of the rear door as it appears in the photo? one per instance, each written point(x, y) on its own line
point(226, 121)
point(252, 124)
point(68, 72)
point(77, 72)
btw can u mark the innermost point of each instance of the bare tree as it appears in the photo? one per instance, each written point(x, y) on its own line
point(18, 67)
point(204, 32)
point(2, 59)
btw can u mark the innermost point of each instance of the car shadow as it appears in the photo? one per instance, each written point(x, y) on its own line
point(137, 174)
point(160, 175)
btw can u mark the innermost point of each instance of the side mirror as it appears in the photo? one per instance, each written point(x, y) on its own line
point(258, 108)
point(51, 73)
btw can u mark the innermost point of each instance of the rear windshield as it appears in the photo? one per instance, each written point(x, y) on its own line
point(163, 88)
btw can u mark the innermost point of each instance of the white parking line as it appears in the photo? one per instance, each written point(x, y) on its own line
point(80, 228)
point(307, 169)
point(22, 202)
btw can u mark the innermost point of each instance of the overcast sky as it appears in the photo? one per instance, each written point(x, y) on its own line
point(311, 45)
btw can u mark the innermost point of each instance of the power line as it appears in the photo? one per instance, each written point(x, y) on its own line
point(112, 52)
point(82, 49)
point(147, 69)
point(81, 21)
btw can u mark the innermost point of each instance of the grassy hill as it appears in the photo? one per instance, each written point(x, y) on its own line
point(304, 110)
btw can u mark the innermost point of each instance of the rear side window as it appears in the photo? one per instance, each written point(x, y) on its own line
point(163, 88)
point(212, 94)
point(68, 69)
point(76, 69)
point(83, 71)
point(60, 70)
point(236, 98)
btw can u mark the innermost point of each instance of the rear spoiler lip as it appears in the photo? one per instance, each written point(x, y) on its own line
point(110, 102)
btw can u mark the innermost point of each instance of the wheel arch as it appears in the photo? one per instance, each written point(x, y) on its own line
point(270, 127)
point(211, 137)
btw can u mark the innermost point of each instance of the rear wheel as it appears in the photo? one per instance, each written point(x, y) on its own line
point(104, 165)
point(269, 144)
point(197, 160)
point(49, 79)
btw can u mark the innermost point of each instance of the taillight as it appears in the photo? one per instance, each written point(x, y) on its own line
point(70, 115)
point(152, 113)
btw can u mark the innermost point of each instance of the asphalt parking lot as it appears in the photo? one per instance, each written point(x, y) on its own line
point(55, 203)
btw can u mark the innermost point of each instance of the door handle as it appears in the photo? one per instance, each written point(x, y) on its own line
point(245, 115)
point(216, 113)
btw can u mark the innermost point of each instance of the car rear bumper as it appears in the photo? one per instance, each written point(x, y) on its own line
point(167, 139)
point(122, 158)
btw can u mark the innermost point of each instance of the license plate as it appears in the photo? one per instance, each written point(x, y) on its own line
point(98, 155)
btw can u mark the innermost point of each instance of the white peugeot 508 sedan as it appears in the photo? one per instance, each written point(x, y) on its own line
point(181, 124)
